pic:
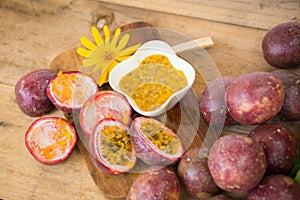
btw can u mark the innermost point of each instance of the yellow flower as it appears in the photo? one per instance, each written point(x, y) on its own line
point(103, 56)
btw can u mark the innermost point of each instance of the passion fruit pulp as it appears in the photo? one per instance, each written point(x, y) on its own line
point(50, 140)
point(104, 105)
point(111, 147)
point(69, 90)
point(154, 142)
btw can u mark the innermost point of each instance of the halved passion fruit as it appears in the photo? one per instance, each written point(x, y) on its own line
point(50, 140)
point(104, 105)
point(69, 90)
point(154, 142)
point(111, 147)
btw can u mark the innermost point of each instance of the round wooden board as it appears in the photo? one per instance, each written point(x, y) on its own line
point(184, 118)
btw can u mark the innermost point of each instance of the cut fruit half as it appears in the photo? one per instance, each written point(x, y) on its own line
point(69, 90)
point(154, 142)
point(104, 105)
point(50, 140)
point(111, 147)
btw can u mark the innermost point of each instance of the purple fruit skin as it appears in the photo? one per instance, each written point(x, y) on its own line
point(237, 163)
point(280, 147)
point(195, 176)
point(276, 187)
point(290, 110)
point(212, 102)
point(31, 94)
point(281, 45)
point(220, 197)
point(159, 184)
point(255, 97)
point(145, 151)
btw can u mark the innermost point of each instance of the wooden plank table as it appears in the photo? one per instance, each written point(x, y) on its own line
point(33, 33)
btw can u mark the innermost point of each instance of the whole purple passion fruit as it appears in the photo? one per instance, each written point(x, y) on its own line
point(290, 110)
point(255, 97)
point(281, 45)
point(159, 184)
point(237, 163)
point(212, 102)
point(280, 146)
point(194, 174)
point(279, 187)
point(31, 93)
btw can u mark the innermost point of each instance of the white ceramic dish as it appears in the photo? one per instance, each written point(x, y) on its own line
point(147, 49)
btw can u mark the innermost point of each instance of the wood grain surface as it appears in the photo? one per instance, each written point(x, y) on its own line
point(33, 33)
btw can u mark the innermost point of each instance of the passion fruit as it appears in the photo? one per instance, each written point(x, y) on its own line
point(255, 97)
point(159, 184)
point(104, 105)
point(111, 147)
point(280, 146)
point(50, 140)
point(194, 174)
point(31, 94)
point(212, 102)
point(290, 110)
point(154, 142)
point(280, 46)
point(276, 186)
point(237, 163)
point(69, 90)
point(221, 197)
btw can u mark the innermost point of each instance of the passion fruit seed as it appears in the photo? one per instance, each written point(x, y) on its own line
point(160, 137)
point(116, 146)
point(157, 58)
point(63, 87)
point(152, 82)
point(150, 96)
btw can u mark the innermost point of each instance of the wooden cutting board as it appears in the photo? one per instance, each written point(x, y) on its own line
point(184, 118)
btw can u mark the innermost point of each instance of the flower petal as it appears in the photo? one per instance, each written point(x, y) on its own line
point(96, 35)
point(83, 52)
point(115, 38)
point(112, 65)
point(123, 42)
point(103, 77)
point(89, 62)
point(106, 33)
point(122, 58)
point(129, 50)
point(97, 67)
point(88, 44)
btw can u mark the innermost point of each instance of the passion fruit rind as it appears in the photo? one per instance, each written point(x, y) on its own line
point(154, 142)
point(64, 97)
point(42, 146)
point(104, 104)
point(111, 147)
